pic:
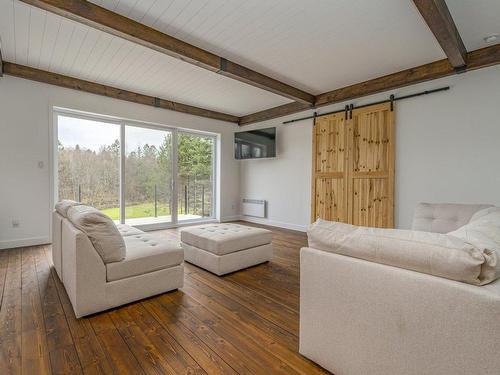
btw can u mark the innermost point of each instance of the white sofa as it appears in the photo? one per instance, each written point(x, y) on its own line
point(364, 315)
point(151, 265)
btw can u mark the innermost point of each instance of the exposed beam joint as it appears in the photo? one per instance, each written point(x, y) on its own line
point(95, 16)
point(437, 16)
point(239, 72)
point(477, 59)
point(60, 80)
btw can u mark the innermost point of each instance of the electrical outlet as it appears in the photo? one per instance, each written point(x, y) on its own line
point(41, 164)
point(15, 223)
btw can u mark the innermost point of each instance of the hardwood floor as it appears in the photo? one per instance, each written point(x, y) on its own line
point(243, 323)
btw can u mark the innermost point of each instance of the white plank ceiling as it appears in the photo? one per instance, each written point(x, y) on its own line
point(475, 20)
point(31, 36)
point(315, 45)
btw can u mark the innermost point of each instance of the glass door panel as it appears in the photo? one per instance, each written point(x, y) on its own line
point(148, 176)
point(195, 165)
point(88, 158)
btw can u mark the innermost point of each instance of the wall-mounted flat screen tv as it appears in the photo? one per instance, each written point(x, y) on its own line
point(255, 144)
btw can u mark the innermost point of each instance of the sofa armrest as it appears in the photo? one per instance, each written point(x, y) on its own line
point(361, 317)
point(443, 217)
point(84, 272)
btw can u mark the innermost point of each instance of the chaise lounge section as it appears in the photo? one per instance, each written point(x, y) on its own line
point(132, 265)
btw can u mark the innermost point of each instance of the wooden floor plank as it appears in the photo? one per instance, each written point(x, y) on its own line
point(165, 308)
point(243, 323)
point(265, 307)
point(116, 349)
point(278, 342)
point(90, 353)
point(201, 352)
point(163, 354)
point(266, 288)
point(34, 348)
point(4, 265)
point(62, 352)
point(10, 316)
point(238, 336)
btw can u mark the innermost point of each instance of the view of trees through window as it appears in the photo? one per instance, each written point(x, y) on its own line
point(89, 162)
point(89, 155)
point(148, 173)
point(195, 175)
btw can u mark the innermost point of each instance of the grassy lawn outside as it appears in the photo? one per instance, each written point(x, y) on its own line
point(137, 211)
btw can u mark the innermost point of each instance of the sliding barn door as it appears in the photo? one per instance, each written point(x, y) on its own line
point(371, 167)
point(329, 194)
point(353, 167)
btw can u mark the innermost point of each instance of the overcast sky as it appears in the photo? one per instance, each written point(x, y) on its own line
point(92, 135)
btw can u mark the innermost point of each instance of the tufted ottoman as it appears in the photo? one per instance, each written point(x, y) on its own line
point(225, 248)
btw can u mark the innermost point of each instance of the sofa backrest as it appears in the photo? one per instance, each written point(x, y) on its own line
point(443, 217)
point(101, 230)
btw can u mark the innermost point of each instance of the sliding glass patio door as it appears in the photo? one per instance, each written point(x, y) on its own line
point(88, 168)
point(138, 174)
point(195, 173)
point(148, 176)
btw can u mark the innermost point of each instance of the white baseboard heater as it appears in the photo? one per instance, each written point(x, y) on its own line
point(253, 207)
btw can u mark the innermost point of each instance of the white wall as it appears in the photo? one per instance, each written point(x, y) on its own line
point(25, 120)
point(448, 150)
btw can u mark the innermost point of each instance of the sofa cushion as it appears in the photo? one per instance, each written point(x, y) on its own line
point(63, 206)
point(483, 232)
point(101, 231)
point(145, 253)
point(432, 253)
point(127, 230)
point(223, 239)
point(490, 214)
point(443, 218)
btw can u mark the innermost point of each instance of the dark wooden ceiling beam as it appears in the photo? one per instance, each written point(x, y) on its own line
point(1, 62)
point(484, 57)
point(275, 112)
point(103, 19)
point(437, 16)
point(437, 69)
point(60, 80)
point(477, 59)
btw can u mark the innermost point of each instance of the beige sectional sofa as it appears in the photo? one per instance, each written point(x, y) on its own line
point(376, 301)
point(126, 265)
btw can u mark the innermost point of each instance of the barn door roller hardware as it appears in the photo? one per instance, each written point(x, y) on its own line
point(349, 108)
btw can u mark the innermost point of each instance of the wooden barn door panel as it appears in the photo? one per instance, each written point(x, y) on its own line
point(370, 203)
point(371, 166)
point(353, 167)
point(329, 200)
